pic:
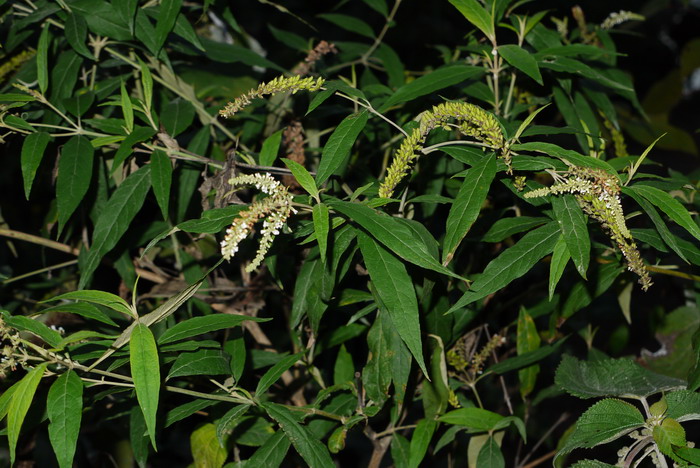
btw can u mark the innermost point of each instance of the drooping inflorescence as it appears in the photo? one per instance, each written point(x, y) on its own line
point(273, 210)
point(598, 195)
point(471, 120)
point(278, 85)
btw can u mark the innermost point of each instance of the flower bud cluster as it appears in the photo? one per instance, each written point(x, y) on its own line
point(278, 85)
point(13, 353)
point(273, 210)
point(471, 121)
point(598, 195)
point(619, 17)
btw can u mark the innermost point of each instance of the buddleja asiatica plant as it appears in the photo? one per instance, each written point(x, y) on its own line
point(418, 230)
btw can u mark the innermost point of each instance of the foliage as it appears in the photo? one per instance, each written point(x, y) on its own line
point(430, 242)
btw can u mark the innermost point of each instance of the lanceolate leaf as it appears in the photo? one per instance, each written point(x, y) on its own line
point(228, 422)
point(670, 206)
point(106, 299)
point(19, 405)
point(114, 220)
point(33, 149)
point(127, 109)
point(560, 257)
point(74, 175)
point(200, 362)
point(395, 288)
point(42, 58)
point(573, 227)
point(490, 455)
point(161, 178)
point(302, 176)
point(528, 340)
point(314, 453)
point(272, 452)
point(275, 372)
point(420, 441)
point(200, 325)
point(270, 147)
point(467, 204)
point(76, 34)
point(434, 81)
point(391, 232)
point(522, 60)
point(64, 405)
point(169, 9)
point(339, 144)
point(512, 263)
point(476, 15)
point(145, 370)
point(321, 227)
point(206, 451)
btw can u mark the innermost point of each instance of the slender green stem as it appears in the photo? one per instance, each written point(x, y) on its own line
point(382, 33)
point(40, 271)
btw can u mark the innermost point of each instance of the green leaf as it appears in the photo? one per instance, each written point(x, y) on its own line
point(270, 148)
point(212, 221)
point(201, 362)
point(138, 436)
point(114, 220)
point(522, 60)
point(76, 34)
point(177, 116)
point(611, 377)
point(169, 9)
point(83, 309)
point(528, 340)
point(226, 424)
point(379, 6)
point(82, 335)
point(395, 289)
point(349, 23)
point(126, 146)
point(683, 405)
point(183, 411)
point(64, 405)
point(289, 39)
point(321, 228)
point(688, 454)
point(127, 109)
point(565, 155)
point(344, 369)
point(33, 149)
point(439, 79)
point(573, 227)
point(275, 372)
point(474, 419)
point(161, 179)
point(339, 144)
point(525, 359)
point(476, 15)
point(591, 464)
point(659, 224)
point(314, 453)
point(669, 205)
point(145, 370)
point(511, 264)
point(420, 441)
point(206, 451)
point(22, 323)
point(106, 299)
point(467, 204)
point(127, 11)
point(490, 455)
point(560, 257)
point(394, 234)
point(42, 59)
point(74, 176)
point(271, 454)
point(146, 84)
point(19, 404)
point(200, 325)
point(603, 422)
point(506, 227)
point(302, 176)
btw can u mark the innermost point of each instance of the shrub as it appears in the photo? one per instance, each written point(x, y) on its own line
point(336, 252)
